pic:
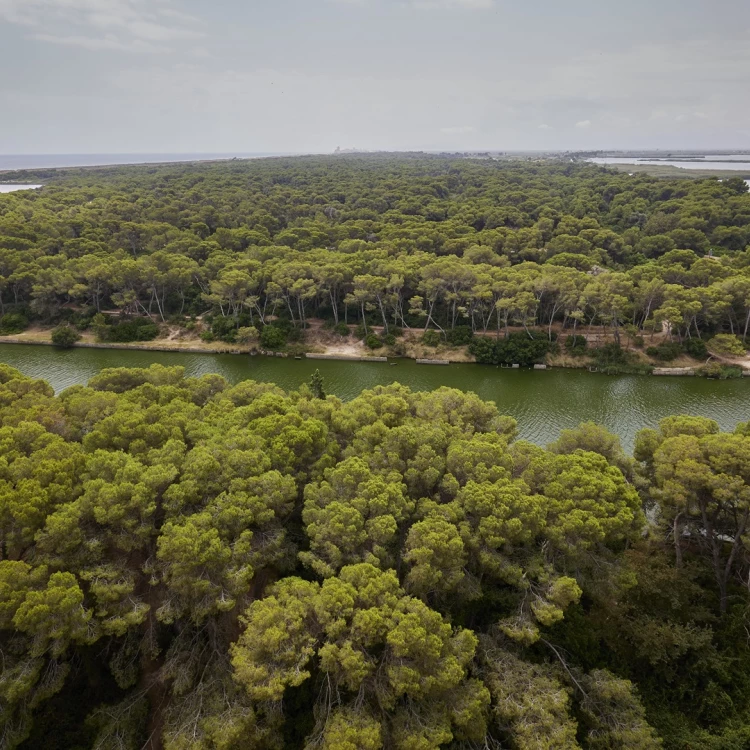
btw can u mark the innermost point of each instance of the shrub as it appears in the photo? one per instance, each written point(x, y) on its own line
point(717, 370)
point(140, 329)
point(359, 332)
point(576, 345)
point(224, 329)
point(65, 336)
point(610, 354)
point(247, 335)
point(518, 348)
point(342, 329)
point(100, 326)
point(273, 338)
point(611, 359)
point(13, 323)
point(725, 343)
point(295, 333)
point(431, 338)
point(460, 336)
point(665, 352)
point(696, 348)
point(638, 342)
point(373, 342)
point(389, 339)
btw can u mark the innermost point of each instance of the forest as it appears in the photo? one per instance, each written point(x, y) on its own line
point(188, 565)
point(456, 247)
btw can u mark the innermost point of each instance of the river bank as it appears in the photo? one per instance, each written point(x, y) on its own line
point(322, 344)
point(543, 402)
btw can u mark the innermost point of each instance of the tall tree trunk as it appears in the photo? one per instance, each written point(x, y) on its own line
point(677, 531)
point(383, 315)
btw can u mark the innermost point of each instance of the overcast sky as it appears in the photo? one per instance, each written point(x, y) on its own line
point(125, 76)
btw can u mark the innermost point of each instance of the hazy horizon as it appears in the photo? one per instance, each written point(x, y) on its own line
point(306, 76)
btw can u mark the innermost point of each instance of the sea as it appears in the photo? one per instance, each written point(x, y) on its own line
point(11, 162)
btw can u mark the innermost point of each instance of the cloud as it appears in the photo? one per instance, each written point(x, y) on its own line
point(107, 42)
point(122, 25)
point(459, 130)
point(454, 4)
point(544, 127)
point(583, 124)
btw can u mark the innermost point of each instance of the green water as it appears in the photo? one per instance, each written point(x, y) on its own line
point(542, 402)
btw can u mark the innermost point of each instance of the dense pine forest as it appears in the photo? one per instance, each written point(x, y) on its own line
point(460, 248)
point(189, 565)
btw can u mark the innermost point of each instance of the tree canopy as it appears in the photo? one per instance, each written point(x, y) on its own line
point(195, 566)
point(418, 241)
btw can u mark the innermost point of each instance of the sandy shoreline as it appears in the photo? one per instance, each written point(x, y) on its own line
point(321, 348)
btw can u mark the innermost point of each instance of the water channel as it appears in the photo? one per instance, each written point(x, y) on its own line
point(542, 402)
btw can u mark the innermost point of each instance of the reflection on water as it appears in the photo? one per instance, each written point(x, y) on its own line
point(542, 402)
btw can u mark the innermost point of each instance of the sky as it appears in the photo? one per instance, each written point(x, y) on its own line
point(183, 76)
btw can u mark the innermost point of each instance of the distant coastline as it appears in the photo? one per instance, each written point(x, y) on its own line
point(16, 162)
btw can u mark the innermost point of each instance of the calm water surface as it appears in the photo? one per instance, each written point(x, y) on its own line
point(542, 402)
point(58, 161)
point(9, 188)
point(735, 162)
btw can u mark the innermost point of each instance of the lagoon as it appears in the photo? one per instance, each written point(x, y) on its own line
point(12, 188)
point(737, 163)
point(543, 402)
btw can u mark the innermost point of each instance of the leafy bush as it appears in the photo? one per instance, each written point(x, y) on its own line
point(460, 335)
point(373, 342)
point(295, 333)
point(696, 348)
point(389, 339)
point(224, 329)
point(359, 332)
point(13, 323)
point(717, 370)
point(576, 345)
point(431, 338)
point(65, 336)
point(725, 343)
point(342, 329)
point(247, 335)
point(273, 338)
point(612, 359)
point(610, 354)
point(665, 352)
point(518, 349)
point(139, 329)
